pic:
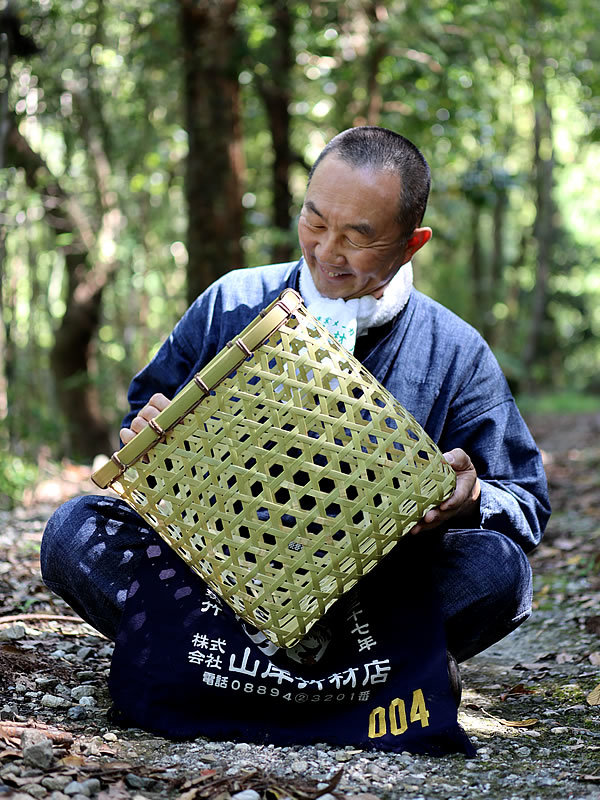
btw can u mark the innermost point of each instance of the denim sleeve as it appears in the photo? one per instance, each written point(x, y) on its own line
point(508, 508)
point(475, 411)
point(514, 493)
point(189, 343)
point(218, 314)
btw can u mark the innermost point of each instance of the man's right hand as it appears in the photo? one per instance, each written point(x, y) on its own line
point(157, 403)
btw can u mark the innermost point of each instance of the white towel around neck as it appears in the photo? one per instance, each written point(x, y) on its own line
point(347, 319)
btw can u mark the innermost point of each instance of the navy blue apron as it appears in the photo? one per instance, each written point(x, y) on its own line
point(372, 673)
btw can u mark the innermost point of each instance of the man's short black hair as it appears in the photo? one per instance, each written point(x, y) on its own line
point(382, 149)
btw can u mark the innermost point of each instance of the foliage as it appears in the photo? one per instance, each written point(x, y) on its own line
point(16, 474)
point(469, 83)
point(567, 402)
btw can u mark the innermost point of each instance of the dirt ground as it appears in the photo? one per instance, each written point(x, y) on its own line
point(531, 704)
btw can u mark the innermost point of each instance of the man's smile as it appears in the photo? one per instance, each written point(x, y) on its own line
point(332, 273)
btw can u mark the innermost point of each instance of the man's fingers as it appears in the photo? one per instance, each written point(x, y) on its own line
point(458, 460)
point(466, 478)
point(462, 500)
point(157, 403)
point(139, 423)
point(126, 435)
point(461, 493)
point(148, 412)
point(431, 518)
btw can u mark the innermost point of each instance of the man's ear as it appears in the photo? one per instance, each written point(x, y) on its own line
point(418, 238)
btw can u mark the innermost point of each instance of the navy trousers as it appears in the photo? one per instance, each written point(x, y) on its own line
point(92, 544)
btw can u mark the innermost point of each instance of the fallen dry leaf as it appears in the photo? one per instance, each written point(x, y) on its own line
point(73, 760)
point(202, 777)
point(18, 781)
point(593, 697)
point(519, 689)
point(9, 753)
point(201, 784)
point(333, 782)
point(546, 657)
point(517, 723)
point(116, 791)
point(365, 796)
point(592, 624)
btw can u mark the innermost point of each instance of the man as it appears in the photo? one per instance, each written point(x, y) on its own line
point(359, 227)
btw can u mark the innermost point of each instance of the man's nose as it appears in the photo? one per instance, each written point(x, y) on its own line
point(329, 250)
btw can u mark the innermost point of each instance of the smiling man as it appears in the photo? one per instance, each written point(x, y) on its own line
point(353, 230)
point(360, 226)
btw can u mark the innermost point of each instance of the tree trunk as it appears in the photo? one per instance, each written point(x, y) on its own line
point(377, 13)
point(214, 165)
point(477, 267)
point(6, 346)
point(69, 359)
point(276, 95)
point(490, 330)
point(497, 263)
point(543, 230)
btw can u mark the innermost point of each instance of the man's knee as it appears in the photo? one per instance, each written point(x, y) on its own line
point(61, 536)
point(81, 531)
point(484, 564)
point(88, 556)
point(485, 587)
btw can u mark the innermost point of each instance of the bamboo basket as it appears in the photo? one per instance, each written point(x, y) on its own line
point(282, 473)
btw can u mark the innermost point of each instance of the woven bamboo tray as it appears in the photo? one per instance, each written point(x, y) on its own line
point(282, 473)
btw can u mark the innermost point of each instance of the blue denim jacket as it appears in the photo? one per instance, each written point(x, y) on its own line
point(437, 365)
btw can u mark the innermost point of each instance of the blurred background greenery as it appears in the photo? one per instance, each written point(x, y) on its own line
point(146, 148)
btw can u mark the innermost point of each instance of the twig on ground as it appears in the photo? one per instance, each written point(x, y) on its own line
point(11, 729)
point(47, 617)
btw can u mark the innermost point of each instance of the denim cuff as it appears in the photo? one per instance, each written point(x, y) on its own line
point(500, 511)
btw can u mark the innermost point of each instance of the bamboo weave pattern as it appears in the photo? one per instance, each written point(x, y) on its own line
point(290, 480)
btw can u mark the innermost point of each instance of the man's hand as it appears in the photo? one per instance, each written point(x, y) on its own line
point(463, 502)
point(156, 404)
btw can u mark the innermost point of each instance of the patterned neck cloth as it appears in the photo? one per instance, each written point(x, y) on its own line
point(347, 319)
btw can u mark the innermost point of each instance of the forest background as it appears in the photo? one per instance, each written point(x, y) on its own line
point(147, 148)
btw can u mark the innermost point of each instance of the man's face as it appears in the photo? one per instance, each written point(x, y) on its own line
point(348, 232)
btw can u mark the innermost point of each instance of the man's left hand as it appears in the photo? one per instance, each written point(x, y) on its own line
point(463, 502)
